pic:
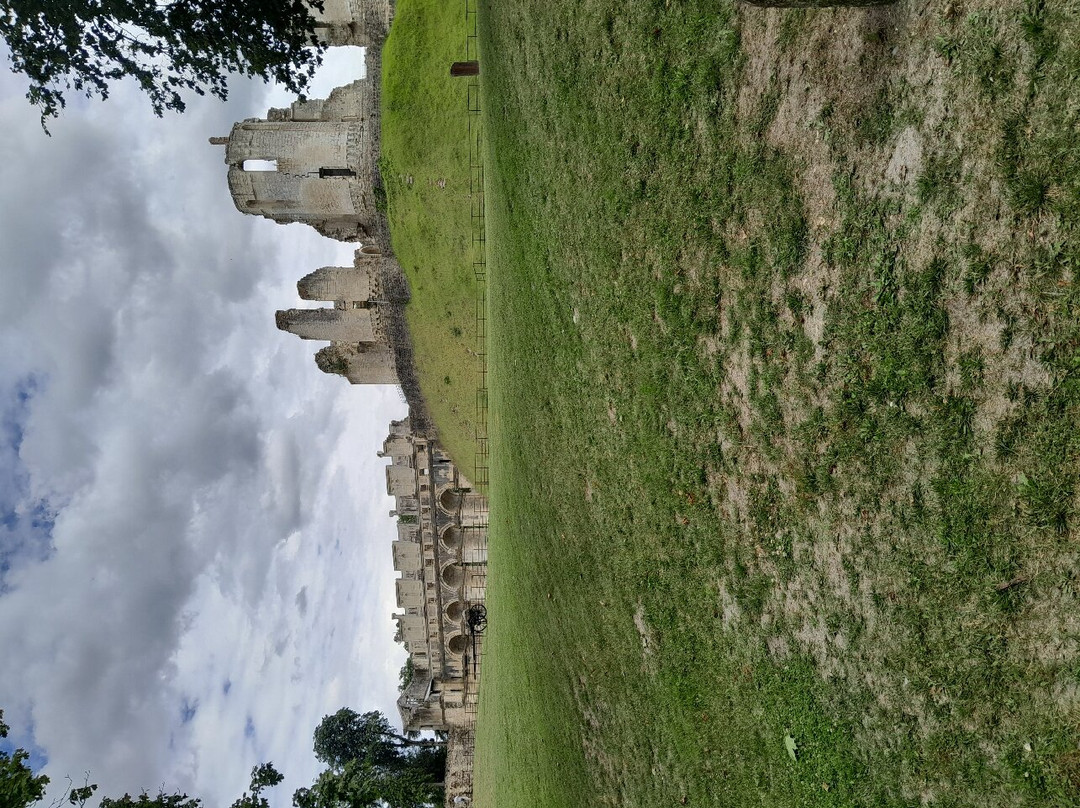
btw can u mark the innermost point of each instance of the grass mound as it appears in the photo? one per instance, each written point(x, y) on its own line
point(425, 168)
point(785, 383)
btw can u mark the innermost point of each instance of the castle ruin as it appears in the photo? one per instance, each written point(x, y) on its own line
point(315, 163)
point(441, 553)
point(353, 22)
point(357, 325)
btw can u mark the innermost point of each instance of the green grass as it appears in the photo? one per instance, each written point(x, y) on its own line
point(774, 456)
point(425, 168)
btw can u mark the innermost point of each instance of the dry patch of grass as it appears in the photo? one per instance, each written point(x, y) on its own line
point(792, 297)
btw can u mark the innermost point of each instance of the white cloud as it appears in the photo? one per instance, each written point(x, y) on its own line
point(202, 473)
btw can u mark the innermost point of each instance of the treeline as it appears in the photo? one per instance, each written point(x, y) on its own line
point(368, 765)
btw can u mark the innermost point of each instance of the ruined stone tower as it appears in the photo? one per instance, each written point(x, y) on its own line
point(353, 22)
point(361, 346)
point(313, 162)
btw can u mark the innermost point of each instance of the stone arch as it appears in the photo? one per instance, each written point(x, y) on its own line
point(453, 575)
point(450, 499)
point(457, 644)
point(452, 538)
point(454, 610)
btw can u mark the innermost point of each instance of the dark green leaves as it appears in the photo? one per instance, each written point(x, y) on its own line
point(167, 48)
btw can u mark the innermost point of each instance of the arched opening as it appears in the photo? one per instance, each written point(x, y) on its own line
point(455, 610)
point(451, 499)
point(370, 249)
point(451, 538)
point(457, 644)
point(260, 165)
point(453, 575)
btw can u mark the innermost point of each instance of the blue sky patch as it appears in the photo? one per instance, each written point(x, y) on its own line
point(25, 525)
point(188, 710)
point(37, 759)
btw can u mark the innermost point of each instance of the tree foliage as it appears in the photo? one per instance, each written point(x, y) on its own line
point(262, 777)
point(18, 785)
point(369, 765)
point(168, 47)
point(144, 800)
point(367, 761)
point(405, 675)
point(347, 735)
point(19, 788)
point(359, 784)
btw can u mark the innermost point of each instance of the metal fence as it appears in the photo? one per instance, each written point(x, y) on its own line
point(479, 241)
point(477, 581)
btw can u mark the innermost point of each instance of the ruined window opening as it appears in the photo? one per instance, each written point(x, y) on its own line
point(260, 165)
point(336, 172)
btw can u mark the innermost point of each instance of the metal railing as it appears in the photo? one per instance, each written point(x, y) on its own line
point(481, 475)
point(477, 580)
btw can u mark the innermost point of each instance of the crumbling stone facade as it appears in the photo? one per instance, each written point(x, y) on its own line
point(460, 750)
point(313, 162)
point(354, 22)
point(357, 326)
point(441, 553)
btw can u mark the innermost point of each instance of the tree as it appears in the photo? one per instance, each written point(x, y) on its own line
point(144, 800)
point(347, 735)
point(262, 777)
point(19, 788)
point(18, 785)
point(367, 761)
point(405, 675)
point(359, 784)
point(167, 46)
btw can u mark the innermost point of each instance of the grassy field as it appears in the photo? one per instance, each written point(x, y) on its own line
point(785, 342)
point(425, 168)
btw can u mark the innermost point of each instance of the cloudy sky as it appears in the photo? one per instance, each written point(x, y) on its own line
point(194, 532)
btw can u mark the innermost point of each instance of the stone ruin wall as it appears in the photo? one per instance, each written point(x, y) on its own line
point(367, 330)
point(325, 159)
point(441, 555)
point(316, 141)
point(460, 748)
point(316, 164)
point(354, 22)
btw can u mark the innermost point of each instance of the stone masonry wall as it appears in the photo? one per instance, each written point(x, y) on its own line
point(354, 22)
point(345, 325)
point(339, 283)
point(318, 163)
